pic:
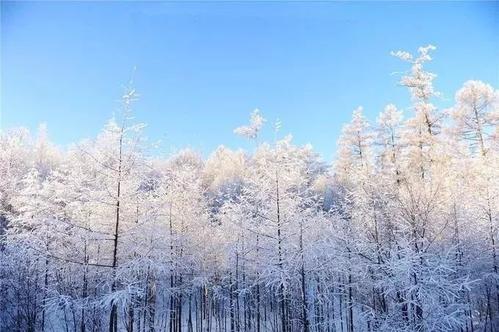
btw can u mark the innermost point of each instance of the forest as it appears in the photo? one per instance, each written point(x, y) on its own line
point(398, 233)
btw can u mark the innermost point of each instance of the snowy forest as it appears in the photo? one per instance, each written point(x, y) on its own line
point(398, 233)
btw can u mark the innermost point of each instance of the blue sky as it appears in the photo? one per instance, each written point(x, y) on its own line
point(203, 67)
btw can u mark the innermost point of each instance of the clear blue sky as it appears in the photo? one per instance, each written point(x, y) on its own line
point(202, 67)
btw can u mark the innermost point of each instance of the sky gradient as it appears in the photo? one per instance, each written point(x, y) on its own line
point(203, 67)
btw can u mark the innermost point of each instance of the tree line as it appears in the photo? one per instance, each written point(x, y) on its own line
point(398, 234)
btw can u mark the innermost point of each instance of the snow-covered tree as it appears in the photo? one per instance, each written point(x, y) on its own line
point(399, 234)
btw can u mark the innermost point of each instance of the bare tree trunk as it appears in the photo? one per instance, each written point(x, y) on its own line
point(257, 288)
point(85, 287)
point(179, 310)
point(172, 316)
point(305, 321)
point(350, 303)
point(237, 291)
point(152, 301)
point(279, 247)
point(113, 318)
point(231, 305)
point(45, 284)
